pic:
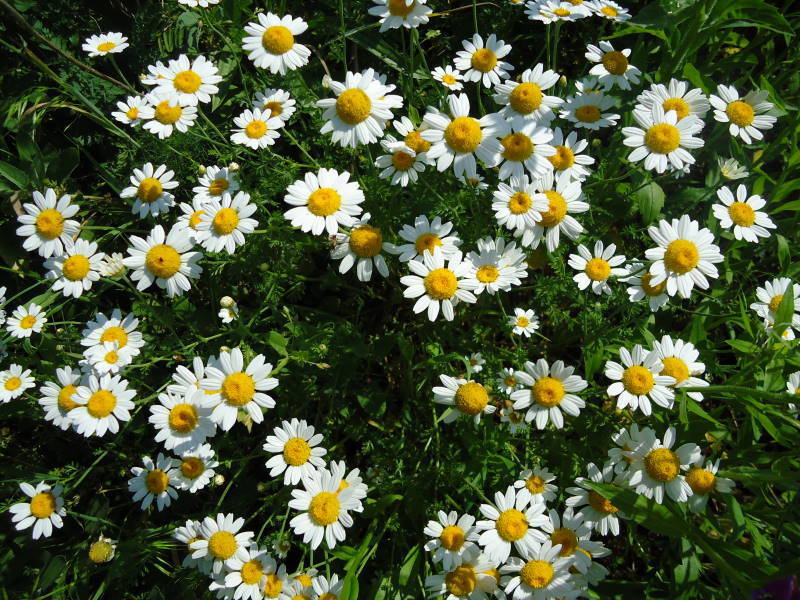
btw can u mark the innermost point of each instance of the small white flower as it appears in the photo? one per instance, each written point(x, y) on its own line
point(438, 286)
point(106, 43)
point(77, 269)
point(524, 322)
point(45, 510)
point(639, 279)
point(196, 468)
point(662, 140)
point(595, 268)
point(612, 66)
point(452, 536)
point(13, 383)
point(227, 221)
point(164, 114)
point(400, 13)
point(426, 235)
point(638, 380)
point(46, 224)
point(361, 247)
point(256, 129)
point(24, 322)
point(481, 62)
point(465, 398)
point(742, 214)
point(296, 451)
point(548, 391)
point(746, 115)
point(129, 111)
point(154, 482)
point(449, 77)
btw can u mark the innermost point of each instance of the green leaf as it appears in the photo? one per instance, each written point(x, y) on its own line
point(650, 198)
point(16, 176)
point(278, 343)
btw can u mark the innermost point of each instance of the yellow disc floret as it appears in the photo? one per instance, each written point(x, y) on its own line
point(65, 401)
point(440, 284)
point(487, 274)
point(275, 108)
point(132, 113)
point(255, 129)
point(483, 60)
point(588, 113)
point(399, 8)
point(537, 574)
point(461, 581)
point(615, 62)
point(414, 141)
point(101, 404)
point(324, 508)
point(520, 203)
point(106, 46)
point(252, 572)
point(115, 334)
point(535, 484)
point(272, 586)
point(101, 551)
point(187, 82)
point(323, 202)
point(700, 480)
point(638, 380)
point(471, 398)
point(238, 389)
point(452, 537)
point(463, 134)
point(222, 545)
point(601, 504)
point(517, 147)
point(183, 418)
point(163, 261)
point(76, 267)
point(740, 113)
point(681, 256)
point(556, 211)
point(192, 467)
point(427, 241)
point(563, 159)
point(598, 269)
point(49, 223)
point(402, 161)
point(277, 39)
point(27, 322)
point(547, 391)
point(166, 114)
point(662, 138)
point(742, 214)
point(568, 540)
point(43, 505)
point(662, 464)
point(225, 221)
point(608, 11)
point(366, 241)
point(12, 383)
point(157, 481)
point(775, 302)
point(652, 290)
point(511, 525)
point(679, 105)
point(296, 452)
point(149, 189)
point(675, 367)
point(353, 106)
point(526, 98)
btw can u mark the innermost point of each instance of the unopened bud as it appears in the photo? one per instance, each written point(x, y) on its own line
point(234, 166)
point(226, 302)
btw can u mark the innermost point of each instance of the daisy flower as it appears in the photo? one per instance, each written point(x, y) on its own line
point(662, 141)
point(597, 511)
point(148, 186)
point(183, 421)
point(128, 113)
point(154, 482)
point(639, 279)
point(539, 574)
point(187, 534)
point(400, 13)
point(214, 182)
point(426, 235)
point(359, 113)
point(196, 468)
point(163, 114)
point(227, 221)
point(111, 265)
point(524, 322)
point(438, 286)
point(730, 169)
point(608, 10)
point(568, 158)
point(507, 382)
point(481, 62)
point(46, 224)
point(526, 148)
point(189, 82)
point(400, 163)
point(222, 543)
point(24, 322)
point(638, 380)
point(77, 269)
point(105, 43)
point(116, 328)
point(512, 520)
point(324, 509)
point(742, 214)
point(550, 11)
point(596, 267)
point(675, 96)
point(13, 382)
point(44, 510)
point(770, 297)
point(704, 482)
point(351, 481)
point(495, 266)
point(102, 403)
point(449, 77)
point(297, 451)
point(590, 110)
point(685, 256)
point(107, 357)
point(103, 550)
point(746, 115)
point(412, 136)
point(471, 579)
point(56, 400)
point(256, 129)
point(451, 537)
point(612, 67)
point(271, 45)
point(680, 362)
point(228, 314)
point(476, 362)
point(323, 201)
point(564, 198)
point(327, 589)
point(550, 390)
point(571, 533)
point(278, 102)
point(235, 387)
point(458, 139)
point(467, 398)
point(189, 221)
point(361, 247)
point(537, 482)
point(523, 101)
point(793, 387)
point(514, 418)
point(255, 577)
point(166, 259)
point(656, 468)
point(517, 205)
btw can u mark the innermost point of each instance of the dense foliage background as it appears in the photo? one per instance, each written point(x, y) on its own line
point(352, 358)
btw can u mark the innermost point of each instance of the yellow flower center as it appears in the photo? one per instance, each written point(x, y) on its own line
point(366, 241)
point(598, 269)
point(12, 383)
point(662, 464)
point(272, 586)
point(163, 261)
point(740, 113)
point(101, 404)
point(441, 284)
point(106, 46)
point(65, 401)
point(638, 380)
point(567, 539)
point(679, 105)
point(427, 241)
point(402, 161)
point(353, 106)
point(218, 186)
point(132, 113)
point(525, 98)
point(100, 552)
point(547, 392)
point(452, 537)
point(461, 581)
point(277, 40)
point(238, 389)
point(115, 334)
point(448, 79)
point(615, 62)
point(187, 82)
point(487, 274)
point(537, 573)
point(414, 141)
point(775, 302)
point(675, 367)
point(484, 60)
point(324, 202)
point(535, 484)
point(601, 504)
point(588, 113)
point(111, 357)
point(471, 398)
point(701, 481)
point(222, 545)
point(49, 223)
point(399, 8)
point(27, 322)
point(556, 211)
point(652, 290)
point(43, 505)
point(275, 108)
point(520, 203)
point(296, 452)
point(194, 220)
point(324, 508)
point(563, 159)
point(225, 221)
point(167, 114)
point(681, 256)
point(511, 525)
point(517, 147)
point(192, 467)
point(562, 12)
point(463, 134)
point(255, 129)
point(523, 322)
point(157, 481)
point(183, 418)
point(742, 214)
point(252, 572)
point(76, 267)
point(149, 189)
point(609, 12)
point(662, 138)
